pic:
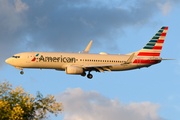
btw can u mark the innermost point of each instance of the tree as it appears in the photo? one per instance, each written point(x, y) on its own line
point(16, 104)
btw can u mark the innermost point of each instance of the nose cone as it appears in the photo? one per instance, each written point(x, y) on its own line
point(8, 61)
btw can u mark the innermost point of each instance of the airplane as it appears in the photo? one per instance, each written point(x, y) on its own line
point(82, 62)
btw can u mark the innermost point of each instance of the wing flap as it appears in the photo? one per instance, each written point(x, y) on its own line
point(98, 66)
point(100, 69)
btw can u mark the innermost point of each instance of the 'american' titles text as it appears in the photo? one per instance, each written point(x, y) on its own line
point(57, 59)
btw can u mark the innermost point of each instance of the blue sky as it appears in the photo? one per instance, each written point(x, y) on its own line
point(115, 27)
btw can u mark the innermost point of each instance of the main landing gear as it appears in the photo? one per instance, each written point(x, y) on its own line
point(90, 76)
point(83, 74)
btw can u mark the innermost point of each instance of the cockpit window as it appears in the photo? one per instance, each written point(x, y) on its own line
point(16, 56)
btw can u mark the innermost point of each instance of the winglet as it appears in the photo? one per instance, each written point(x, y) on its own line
point(88, 47)
point(130, 59)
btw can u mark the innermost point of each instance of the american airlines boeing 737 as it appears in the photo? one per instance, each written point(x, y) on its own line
point(80, 63)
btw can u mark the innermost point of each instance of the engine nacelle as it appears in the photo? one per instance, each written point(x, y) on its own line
point(74, 70)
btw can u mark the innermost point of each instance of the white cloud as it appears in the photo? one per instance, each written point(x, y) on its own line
point(91, 105)
point(86, 23)
point(11, 26)
point(20, 6)
point(52, 23)
point(166, 7)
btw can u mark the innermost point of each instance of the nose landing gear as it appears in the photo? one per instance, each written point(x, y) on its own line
point(21, 72)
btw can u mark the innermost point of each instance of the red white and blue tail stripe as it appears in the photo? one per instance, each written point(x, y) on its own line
point(154, 46)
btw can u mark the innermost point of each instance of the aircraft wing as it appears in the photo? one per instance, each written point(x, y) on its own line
point(107, 67)
point(99, 68)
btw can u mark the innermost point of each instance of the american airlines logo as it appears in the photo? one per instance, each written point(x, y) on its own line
point(34, 59)
point(54, 59)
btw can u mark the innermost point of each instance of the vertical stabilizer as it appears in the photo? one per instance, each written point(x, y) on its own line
point(154, 46)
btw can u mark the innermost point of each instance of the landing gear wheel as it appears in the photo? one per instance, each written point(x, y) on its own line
point(21, 72)
point(83, 74)
point(90, 76)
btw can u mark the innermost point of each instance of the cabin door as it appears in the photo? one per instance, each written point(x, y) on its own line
point(30, 58)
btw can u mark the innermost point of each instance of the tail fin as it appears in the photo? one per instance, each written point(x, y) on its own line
point(154, 46)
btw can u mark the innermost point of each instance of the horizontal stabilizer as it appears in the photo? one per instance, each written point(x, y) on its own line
point(160, 59)
point(168, 59)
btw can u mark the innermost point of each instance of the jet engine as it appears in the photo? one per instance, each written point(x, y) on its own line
point(74, 70)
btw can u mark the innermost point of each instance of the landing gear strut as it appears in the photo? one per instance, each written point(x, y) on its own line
point(90, 76)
